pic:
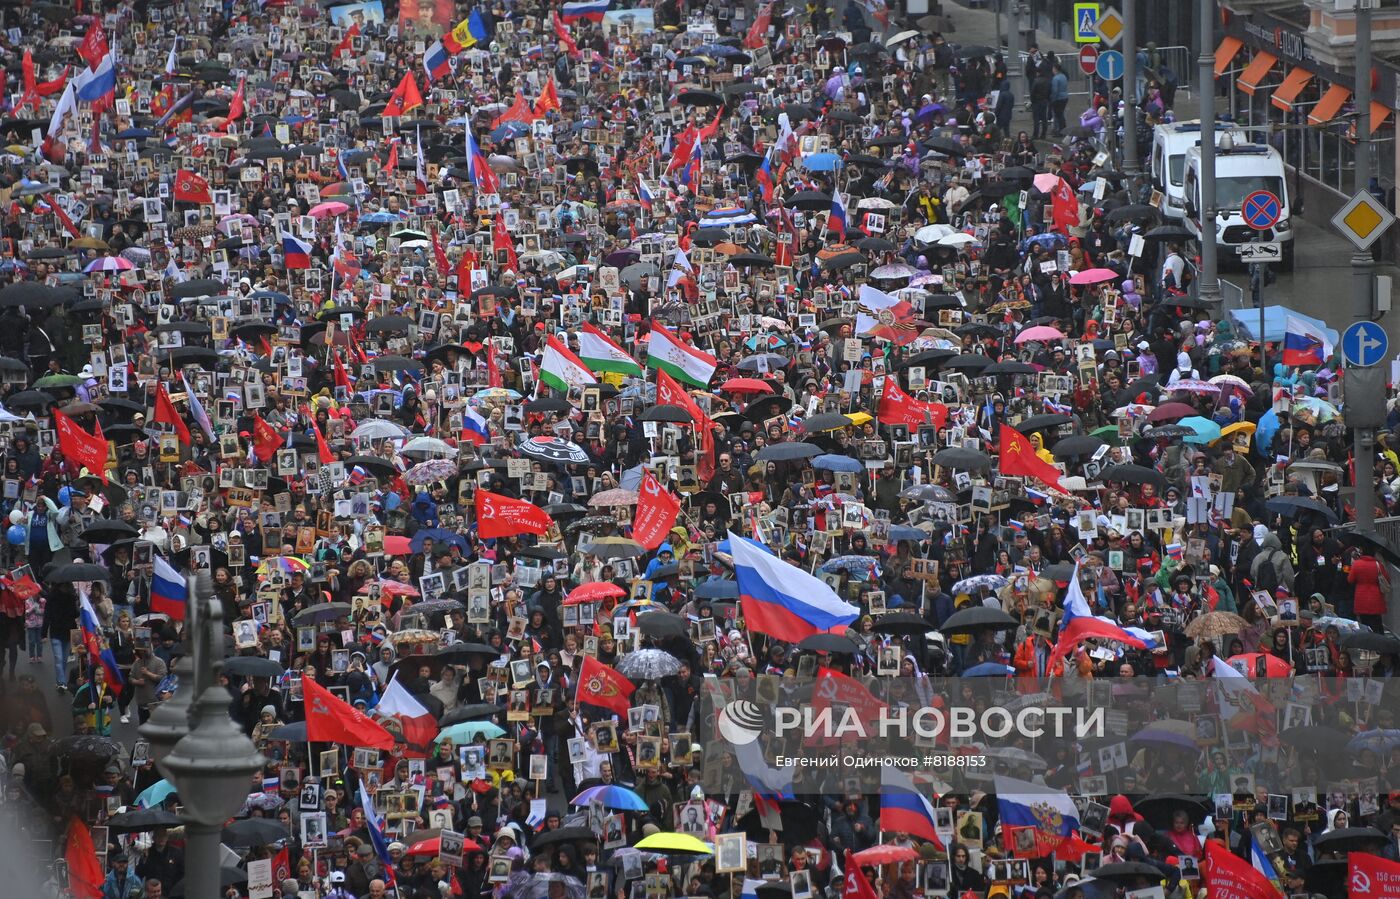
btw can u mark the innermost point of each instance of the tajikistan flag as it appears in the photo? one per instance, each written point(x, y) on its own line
point(600, 354)
point(561, 369)
point(665, 351)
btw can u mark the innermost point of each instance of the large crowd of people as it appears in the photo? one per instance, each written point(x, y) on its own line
point(515, 383)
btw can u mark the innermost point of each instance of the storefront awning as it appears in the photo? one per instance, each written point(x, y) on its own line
point(1226, 53)
point(1257, 70)
point(1327, 108)
point(1379, 113)
point(1292, 86)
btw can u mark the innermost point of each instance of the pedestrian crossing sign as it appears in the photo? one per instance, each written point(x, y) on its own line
point(1086, 23)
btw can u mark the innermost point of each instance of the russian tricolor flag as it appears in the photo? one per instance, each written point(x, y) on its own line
point(296, 253)
point(1304, 343)
point(168, 590)
point(436, 61)
point(592, 10)
point(836, 219)
point(1021, 803)
point(474, 427)
point(782, 600)
point(1080, 622)
point(903, 808)
point(95, 85)
point(477, 166)
point(644, 194)
point(98, 651)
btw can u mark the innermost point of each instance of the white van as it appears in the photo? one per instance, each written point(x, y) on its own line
point(1240, 170)
point(1170, 141)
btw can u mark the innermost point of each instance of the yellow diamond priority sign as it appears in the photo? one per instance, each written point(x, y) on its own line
point(1363, 220)
point(1110, 27)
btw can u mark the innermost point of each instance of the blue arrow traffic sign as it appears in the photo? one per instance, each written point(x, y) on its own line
point(1364, 344)
point(1110, 66)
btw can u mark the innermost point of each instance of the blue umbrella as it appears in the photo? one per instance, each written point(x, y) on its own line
point(724, 546)
point(381, 217)
point(1049, 237)
point(155, 794)
point(509, 131)
point(438, 536)
point(821, 162)
point(277, 297)
point(905, 532)
point(717, 588)
point(833, 462)
point(134, 134)
point(989, 669)
point(1206, 430)
point(612, 797)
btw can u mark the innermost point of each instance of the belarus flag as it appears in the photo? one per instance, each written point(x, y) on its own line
point(296, 253)
point(1304, 343)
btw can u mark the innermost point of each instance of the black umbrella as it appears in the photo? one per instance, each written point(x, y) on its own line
point(466, 653)
point(662, 624)
point(697, 97)
point(1047, 420)
point(1127, 871)
point(142, 820)
point(1168, 432)
point(549, 404)
point(787, 452)
point(1160, 808)
point(945, 145)
point(842, 261)
point(1293, 506)
point(1383, 644)
point(1167, 232)
point(809, 199)
point(1008, 368)
point(825, 421)
point(1350, 839)
point(799, 822)
point(1134, 474)
point(254, 832)
point(1314, 737)
point(291, 733)
point(751, 260)
point(324, 611)
point(906, 623)
point(1133, 212)
point(829, 643)
point(962, 459)
point(107, 530)
point(475, 711)
point(78, 571)
point(562, 835)
point(1372, 544)
point(380, 468)
point(1076, 445)
point(975, 618)
point(879, 245)
point(970, 362)
point(30, 399)
point(667, 413)
point(198, 287)
point(252, 666)
point(929, 358)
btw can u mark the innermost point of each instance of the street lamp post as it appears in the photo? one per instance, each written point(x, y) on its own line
point(197, 746)
point(1208, 284)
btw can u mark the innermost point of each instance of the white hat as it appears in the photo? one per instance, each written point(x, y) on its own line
point(1183, 361)
point(1260, 532)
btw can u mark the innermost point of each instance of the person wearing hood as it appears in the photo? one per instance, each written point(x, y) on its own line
point(1184, 369)
point(1271, 567)
point(664, 556)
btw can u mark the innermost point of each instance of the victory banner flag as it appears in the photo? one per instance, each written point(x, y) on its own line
point(656, 512)
point(502, 516)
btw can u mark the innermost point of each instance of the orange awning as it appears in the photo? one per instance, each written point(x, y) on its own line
point(1257, 70)
point(1292, 86)
point(1327, 108)
point(1379, 113)
point(1226, 53)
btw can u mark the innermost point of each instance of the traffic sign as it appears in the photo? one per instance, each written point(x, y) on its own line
point(1110, 65)
point(1261, 210)
point(1086, 22)
point(1088, 59)
point(1363, 220)
point(1364, 344)
point(1261, 252)
point(1110, 26)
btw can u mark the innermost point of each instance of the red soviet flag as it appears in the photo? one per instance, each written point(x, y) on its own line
point(166, 413)
point(602, 686)
point(1372, 876)
point(239, 104)
point(501, 516)
point(758, 31)
point(332, 720)
point(670, 392)
point(1018, 458)
point(1064, 206)
point(405, 97)
point(85, 877)
point(88, 450)
point(501, 241)
point(857, 887)
point(191, 188)
point(899, 408)
point(656, 512)
point(1227, 876)
point(266, 440)
point(548, 99)
point(94, 45)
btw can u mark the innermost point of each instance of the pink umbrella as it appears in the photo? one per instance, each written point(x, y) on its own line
point(1042, 333)
point(327, 209)
point(1093, 276)
point(1046, 182)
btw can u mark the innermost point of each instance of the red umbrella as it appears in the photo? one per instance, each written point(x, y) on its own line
point(1273, 665)
point(396, 545)
point(746, 385)
point(596, 592)
point(433, 845)
point(1168, 411)
point(885, 855)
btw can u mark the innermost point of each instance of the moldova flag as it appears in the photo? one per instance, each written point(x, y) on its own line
point(168, 590)
point(296, 253)
point(467, 34)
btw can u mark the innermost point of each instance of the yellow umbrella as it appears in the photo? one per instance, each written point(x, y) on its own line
point(1247, 427)
point(859, 418)
point(675, 842)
